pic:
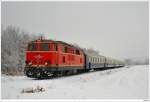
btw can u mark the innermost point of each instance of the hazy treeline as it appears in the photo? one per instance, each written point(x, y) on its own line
point(13, 45)
point(137, 61)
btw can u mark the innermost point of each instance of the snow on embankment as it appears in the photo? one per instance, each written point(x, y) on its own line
point(121, 83)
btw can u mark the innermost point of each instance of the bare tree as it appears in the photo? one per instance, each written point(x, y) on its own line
point(13, 44)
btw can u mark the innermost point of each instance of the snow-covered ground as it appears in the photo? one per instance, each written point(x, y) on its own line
point(121, 83)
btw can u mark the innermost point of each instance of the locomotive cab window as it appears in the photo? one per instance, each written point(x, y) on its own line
point(32, 47)
point(45, 47)
point(54, 48)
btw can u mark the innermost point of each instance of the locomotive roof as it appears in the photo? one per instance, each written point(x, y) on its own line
point(60, 42)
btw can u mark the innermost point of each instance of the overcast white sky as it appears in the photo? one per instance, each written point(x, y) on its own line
point(116, 29)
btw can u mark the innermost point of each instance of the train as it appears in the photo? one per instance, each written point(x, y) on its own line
point(47, 58)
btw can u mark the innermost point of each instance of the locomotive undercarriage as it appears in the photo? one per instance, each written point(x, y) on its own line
point(44, 72)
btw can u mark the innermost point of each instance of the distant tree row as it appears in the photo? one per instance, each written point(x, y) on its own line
point(137, 61)
point(13, 45)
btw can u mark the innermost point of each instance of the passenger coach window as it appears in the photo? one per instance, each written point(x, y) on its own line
point(45, 47)
point(32, 47)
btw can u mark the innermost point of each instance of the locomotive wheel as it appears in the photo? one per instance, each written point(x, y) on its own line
point(28, 73)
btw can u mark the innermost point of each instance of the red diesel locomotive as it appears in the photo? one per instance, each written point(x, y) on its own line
point(48, 57)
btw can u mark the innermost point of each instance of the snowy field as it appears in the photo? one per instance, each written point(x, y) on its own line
point(121, 83)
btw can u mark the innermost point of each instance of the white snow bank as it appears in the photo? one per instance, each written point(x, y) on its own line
point(121, 83)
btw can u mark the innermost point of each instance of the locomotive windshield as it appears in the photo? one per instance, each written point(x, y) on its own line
point(32, 47)
point(42, 47)
point(45, 47)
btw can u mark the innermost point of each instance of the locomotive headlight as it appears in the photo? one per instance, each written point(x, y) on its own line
point(46, 63)
point(30, 63)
